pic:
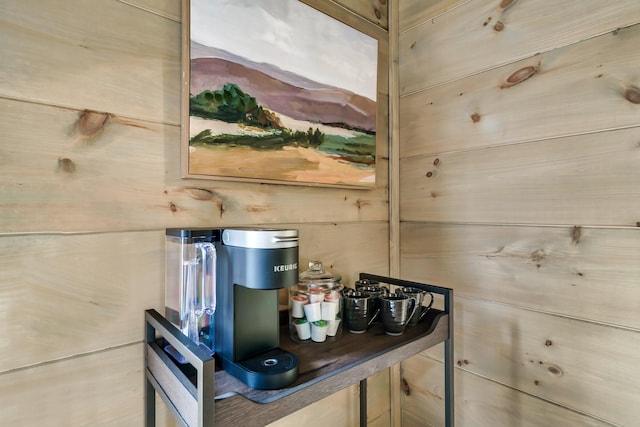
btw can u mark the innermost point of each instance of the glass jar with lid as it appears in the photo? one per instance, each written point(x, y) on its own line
point(315, 305)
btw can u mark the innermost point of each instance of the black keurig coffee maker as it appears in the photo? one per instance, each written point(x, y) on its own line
point(252, 265)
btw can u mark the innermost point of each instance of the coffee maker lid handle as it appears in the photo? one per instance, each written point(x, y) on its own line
point(260, 238)
point(279, 239)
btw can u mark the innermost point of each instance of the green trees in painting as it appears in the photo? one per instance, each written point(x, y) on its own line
point(267, 141)
point(232, 105)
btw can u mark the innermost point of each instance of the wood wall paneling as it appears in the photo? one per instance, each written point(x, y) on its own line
point(485, 404)
point(480, 35)
point(170, 9)
point(586, 273)
point(415, 12)
point(519, 146)
point(339, 410)
point(58, 178)
point(567, 91)
point(372, 10)
point(103, 389)
point(360, 14)
point(378, 402)
point(345, 249)
point(588, 179)
point(106, 56)
point(585, 367)
point(394, 189)
point(342, 408)
point(63, 295)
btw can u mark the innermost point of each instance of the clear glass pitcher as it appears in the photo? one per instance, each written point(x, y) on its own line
point(190, 283)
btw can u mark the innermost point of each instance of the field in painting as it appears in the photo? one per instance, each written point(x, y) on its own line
point(330, 163)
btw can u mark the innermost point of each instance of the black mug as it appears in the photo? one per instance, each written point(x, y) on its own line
point(359, 311)
point(375, 291)
point(419, 295)
point(396, 311)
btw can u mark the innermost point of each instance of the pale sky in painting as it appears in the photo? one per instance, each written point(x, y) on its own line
point(292, 36)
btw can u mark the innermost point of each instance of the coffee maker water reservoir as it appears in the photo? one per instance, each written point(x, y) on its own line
point(190, 284)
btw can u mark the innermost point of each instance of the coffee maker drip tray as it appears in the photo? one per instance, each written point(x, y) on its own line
point(274, 369)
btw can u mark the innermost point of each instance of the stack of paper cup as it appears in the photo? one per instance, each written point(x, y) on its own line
point(316, 295)
point(334, 324)
point(319, 330)
point(303, 328)
point(313, 311)
point(297, 304)
point(329, 310)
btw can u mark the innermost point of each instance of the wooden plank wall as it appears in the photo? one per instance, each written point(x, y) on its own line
point(89, 180)
point(520, 188)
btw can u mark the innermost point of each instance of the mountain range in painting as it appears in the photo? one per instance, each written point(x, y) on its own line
point(281, 91)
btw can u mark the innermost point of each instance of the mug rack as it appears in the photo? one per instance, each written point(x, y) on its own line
point(199, 394)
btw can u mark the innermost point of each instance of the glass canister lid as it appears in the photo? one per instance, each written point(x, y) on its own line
point(316, 276)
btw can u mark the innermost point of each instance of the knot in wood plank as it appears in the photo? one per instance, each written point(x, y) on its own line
point(520, 75)
point(507, 3)
point(406, 389)
point(362, 203)
point(538, 255)
point(91, 122)
point(200, 193)
point(576, 234)
point(255, 208)
point(632, 94)
point(555, 370)
point(66, 165)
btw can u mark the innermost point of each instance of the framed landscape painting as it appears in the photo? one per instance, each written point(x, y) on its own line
point(276, 91)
